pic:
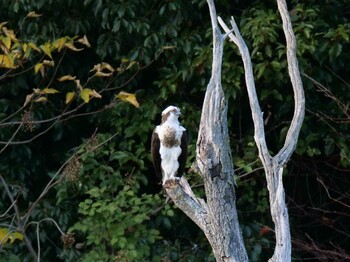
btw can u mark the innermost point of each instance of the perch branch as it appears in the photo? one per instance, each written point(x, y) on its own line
point(182, 195)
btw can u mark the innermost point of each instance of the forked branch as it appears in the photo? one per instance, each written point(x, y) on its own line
point(274, 165)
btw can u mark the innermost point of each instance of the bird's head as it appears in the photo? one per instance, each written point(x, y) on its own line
point(171, 113)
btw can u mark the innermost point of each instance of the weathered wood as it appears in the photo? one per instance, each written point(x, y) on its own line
point(217, 217)
point(273, 166)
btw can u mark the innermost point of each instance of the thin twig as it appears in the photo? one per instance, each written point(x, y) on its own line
point(51, 183)
point(9, 142)
point(329, 195)
point(38, 240)
point(44, 220)
point(19, 220)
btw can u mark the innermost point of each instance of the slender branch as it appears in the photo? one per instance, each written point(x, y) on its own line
point(34, 137)
point(8, 210)
point(213, 16)
point(257, 114)
point(10, 116)
point(57, 67)
point(52, 182)
point(9, 142)
point(251, 172)
point(19, 220)
point(299, 98)
point(38, 240)
point(49, 219)
point(37, 223)
point(329, 195)
point(343, 107)
point(58, 118)
point(139, 68)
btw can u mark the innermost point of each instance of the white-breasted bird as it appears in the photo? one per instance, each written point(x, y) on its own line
point(169, 146)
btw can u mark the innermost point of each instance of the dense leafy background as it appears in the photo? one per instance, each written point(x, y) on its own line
point(108, 196)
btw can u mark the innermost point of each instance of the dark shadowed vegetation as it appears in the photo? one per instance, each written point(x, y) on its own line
point(82, 84)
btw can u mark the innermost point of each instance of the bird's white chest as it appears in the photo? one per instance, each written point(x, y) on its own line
point(169, 162)
point(170, 150)
point(170, 135)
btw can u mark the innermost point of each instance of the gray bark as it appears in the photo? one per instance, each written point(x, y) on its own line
point(217, 217)
point(273, 165)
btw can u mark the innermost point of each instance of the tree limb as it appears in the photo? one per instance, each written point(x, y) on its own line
point(182, 195)
point(20, 224)
point(299, 98)
point(274, 165)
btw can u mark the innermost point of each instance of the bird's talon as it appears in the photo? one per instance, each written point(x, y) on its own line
point(170, 183)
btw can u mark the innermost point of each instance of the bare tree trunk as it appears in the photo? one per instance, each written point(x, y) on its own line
point(273, 166)
point(218, 216)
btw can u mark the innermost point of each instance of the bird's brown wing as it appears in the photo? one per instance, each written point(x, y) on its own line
point(183, 155)
point(155, 145)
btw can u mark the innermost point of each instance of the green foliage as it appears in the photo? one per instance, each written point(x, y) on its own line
point(256, 243)
point(113, 218)
point(119, 223)
point(161, 52)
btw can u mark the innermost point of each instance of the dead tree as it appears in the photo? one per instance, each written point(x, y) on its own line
point(217, 216)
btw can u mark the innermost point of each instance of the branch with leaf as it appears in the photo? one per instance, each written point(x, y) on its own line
point(17, 58)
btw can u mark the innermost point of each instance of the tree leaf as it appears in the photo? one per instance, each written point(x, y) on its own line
point(7, 41)
point(72, 47)
point(2, 25)
point(84, 41)
point(7, 62)
point(47, 49)
point(33, 46)
point(103, 66)
point(69, 97)
point(27, 50)
point(167, 47)
point(7, 236)
point(28, 99)
point(37, 90)
point(85, 94)
point(127, 97)
point(102, 74)
point(93, 93)
point(131, 64)
point(41, 99)
point(66, 78)
point(107, 66)
point(10, 33)
point(49, 63)
point(4, 235)
point(14, 236)
point(60, 43)
point(49, 91)
point(37, 67)
point(32, 14)
point(77, 83)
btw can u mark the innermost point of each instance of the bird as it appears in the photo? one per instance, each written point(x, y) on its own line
point(169, 146)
